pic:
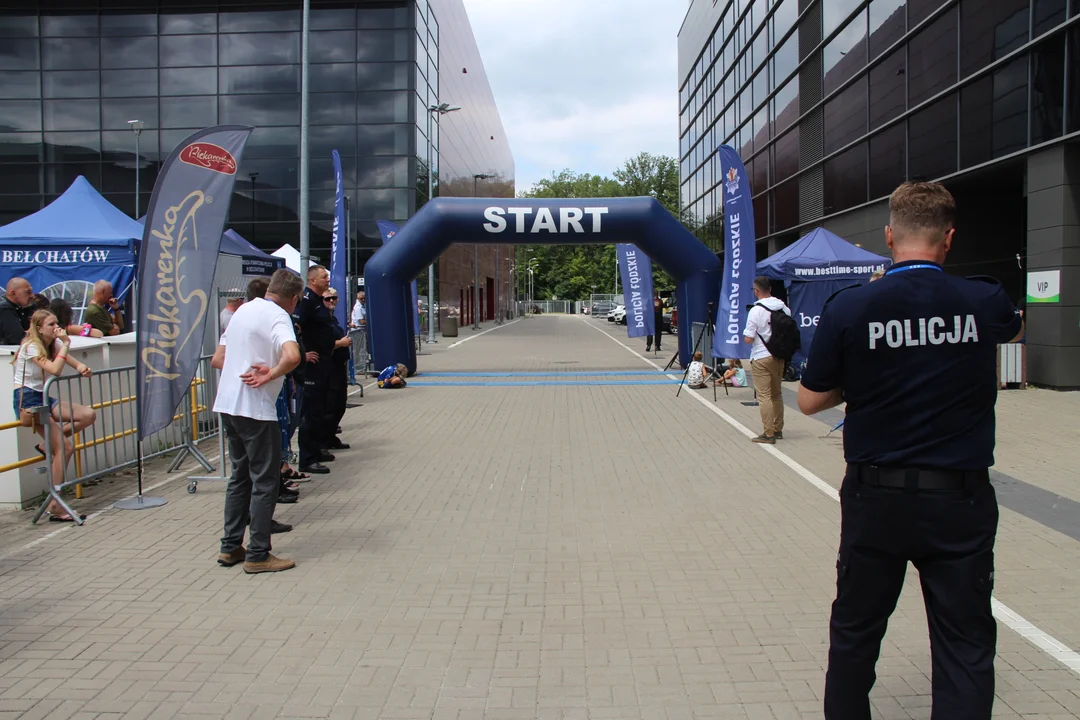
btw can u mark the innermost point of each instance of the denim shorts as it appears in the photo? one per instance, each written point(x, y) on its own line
point(30, 399)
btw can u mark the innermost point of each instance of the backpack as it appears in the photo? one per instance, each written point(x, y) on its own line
point(785, 340)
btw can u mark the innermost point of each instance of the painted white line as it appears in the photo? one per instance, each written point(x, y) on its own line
point(1008, 617)
point(485, 332)
point(364, 387)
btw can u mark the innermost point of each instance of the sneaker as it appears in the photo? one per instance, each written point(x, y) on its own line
point(765, 439)
point(270, 564)
point(778, 435)
point(232, 558)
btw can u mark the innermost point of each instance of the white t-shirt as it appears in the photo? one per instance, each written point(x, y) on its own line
point(358, 313)
point(27, 372)
point(257, 333)
point(225, 316)
point(696, 374)
point(759, 326)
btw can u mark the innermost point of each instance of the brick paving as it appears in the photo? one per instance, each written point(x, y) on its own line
point(494, 551)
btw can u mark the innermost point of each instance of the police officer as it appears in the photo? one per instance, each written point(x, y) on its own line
point(317, 327)
point(913, 356)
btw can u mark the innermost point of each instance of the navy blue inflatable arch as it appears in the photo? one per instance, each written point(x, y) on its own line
point(642, 221)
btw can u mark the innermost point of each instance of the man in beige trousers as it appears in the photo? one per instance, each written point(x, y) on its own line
point(766, 370)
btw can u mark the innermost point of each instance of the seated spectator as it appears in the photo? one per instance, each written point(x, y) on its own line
point(61, 308)
point(45, 352)
point(695, 374)
point(16, 307)
point(103, 312)
point(734, 375)
point(393, 376)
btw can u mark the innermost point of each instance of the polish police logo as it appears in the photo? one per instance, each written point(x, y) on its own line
point(732, 182)
point(390, 234)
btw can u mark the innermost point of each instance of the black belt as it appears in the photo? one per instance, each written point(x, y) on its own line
point(918, 479)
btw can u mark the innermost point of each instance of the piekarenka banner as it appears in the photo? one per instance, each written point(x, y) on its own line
point(635, 267)
point(176, 269)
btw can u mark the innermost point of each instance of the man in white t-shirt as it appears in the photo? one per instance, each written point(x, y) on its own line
point(262, 349)
point(359, 311)
point(766, 370)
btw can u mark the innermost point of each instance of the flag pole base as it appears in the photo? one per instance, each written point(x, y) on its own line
point(140, 502)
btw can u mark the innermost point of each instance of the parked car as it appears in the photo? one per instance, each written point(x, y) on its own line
point(617, 308)
point(619, 315)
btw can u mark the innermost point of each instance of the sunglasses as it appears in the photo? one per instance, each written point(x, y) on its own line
point(329, 300)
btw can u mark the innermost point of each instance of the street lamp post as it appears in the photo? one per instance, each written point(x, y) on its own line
point(253, 175)
point(442, 109)
point(137, 126)
point(476, 263)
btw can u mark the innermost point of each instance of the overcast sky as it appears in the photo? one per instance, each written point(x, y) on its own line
point(581, 84)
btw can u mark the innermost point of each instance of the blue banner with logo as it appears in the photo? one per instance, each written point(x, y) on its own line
point(388, 230)
point(807, 300)
point(635, 268)
point(737, 283)
point(339, 245)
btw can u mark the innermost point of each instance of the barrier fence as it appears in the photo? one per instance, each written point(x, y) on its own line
point(538, 307)
point(109, 444)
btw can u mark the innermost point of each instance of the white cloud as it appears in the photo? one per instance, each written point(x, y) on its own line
point(583, 84)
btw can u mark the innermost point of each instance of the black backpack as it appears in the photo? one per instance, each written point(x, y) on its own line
point(785, 340)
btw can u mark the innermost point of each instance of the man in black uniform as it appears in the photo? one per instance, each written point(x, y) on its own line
point(317, 327)
point(337, 384)
point(913, 356)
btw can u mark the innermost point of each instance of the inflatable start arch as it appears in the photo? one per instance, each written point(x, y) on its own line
point(641, 221)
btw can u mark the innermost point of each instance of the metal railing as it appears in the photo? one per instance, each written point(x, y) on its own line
point(109, 443)
point(538, 307)
point(361, 357)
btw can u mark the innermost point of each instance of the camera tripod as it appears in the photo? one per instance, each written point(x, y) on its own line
point(697, 344)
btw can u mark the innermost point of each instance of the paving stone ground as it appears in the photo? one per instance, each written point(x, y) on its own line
point(495, 551)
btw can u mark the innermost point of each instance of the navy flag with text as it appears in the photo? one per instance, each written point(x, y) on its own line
point(636, 270)
point(740, 258)
point(176, 268)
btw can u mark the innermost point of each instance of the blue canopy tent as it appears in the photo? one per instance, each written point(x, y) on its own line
point(812, 269)
point(67, 246)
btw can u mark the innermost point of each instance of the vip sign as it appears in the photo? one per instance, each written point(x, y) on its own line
point(1044, 286)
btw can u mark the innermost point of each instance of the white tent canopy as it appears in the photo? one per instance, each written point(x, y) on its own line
point(290, 255)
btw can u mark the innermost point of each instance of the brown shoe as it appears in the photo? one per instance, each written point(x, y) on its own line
point(270, 564)
point(232, 558)
point(765, 440)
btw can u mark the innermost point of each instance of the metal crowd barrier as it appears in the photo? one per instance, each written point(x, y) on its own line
point(109, 444)
point(361, 357)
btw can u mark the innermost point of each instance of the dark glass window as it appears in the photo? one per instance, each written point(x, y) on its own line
point(118, 181)
point(19, 26)
point(932, 140)
point(380, 204)
point(129, 83)
point(383, 172)
point(845, 117)
point(919, 10)
point(1048, 89)
point(120, 144)
point(20, 178)
point(260, 110)
point(69, 25)
point(383, 107)
point(278, 173)
point(324, 138)
point(785, 205)
point(887, 160)
point(994, 114)
point(834, 12)
point(1073, 121)
point(887, 83)
point(330, 78)
point(129, 52)
point(333, 46)
point(188, 50)
point(20, 115)
point(259, 48)
point(1048, 14)
point(116, 113)
point(185, 112)
point(932, 58)
point(185, 24)
point(332, 108)
point(845, 56)
point(845, 180)
point(382, 46)
point(18, 54)
point(785, 17)
point(260, 79)
point(383, 76)
point(71, 84)
point(990, 31)
point(786, 155)
point(71, 114)
point(18, 147)
point(322, 178)
point(69, 53)
point(887, 24)
point(249, 21)
point(382, 140)
point(128, 24)
point(332, 18)
point(188, 81)
point(785, 107)
point(73, 146)
point(381, 18)
point(20, 85)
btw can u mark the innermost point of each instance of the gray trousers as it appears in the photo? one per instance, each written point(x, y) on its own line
point(255, 450)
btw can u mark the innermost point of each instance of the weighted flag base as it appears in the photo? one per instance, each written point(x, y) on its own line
point(140, 502)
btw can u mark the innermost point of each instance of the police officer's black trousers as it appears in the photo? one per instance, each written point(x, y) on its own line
point(337, 397)
point(949, 537)
point(313, 415)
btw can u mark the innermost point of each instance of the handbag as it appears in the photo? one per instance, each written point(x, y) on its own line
point(28, 417)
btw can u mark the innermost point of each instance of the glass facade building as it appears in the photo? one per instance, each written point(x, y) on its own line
point(74, 72)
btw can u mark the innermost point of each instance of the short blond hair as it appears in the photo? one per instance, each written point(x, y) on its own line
point(922, 209)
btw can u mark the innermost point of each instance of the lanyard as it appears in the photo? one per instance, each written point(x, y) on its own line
point(913, 267)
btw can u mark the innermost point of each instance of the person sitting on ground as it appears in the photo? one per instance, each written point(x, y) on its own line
point(103, 312)
point(393, 376)
point(16, 307)
point(44, 352)
point(734, 375)
point(61, 308)
point(695, 374)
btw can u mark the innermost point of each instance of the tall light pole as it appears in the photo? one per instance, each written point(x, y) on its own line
point(305, 234)
point(476, 263)
point(442, 109)
point(254, 232)
point(137, 127)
